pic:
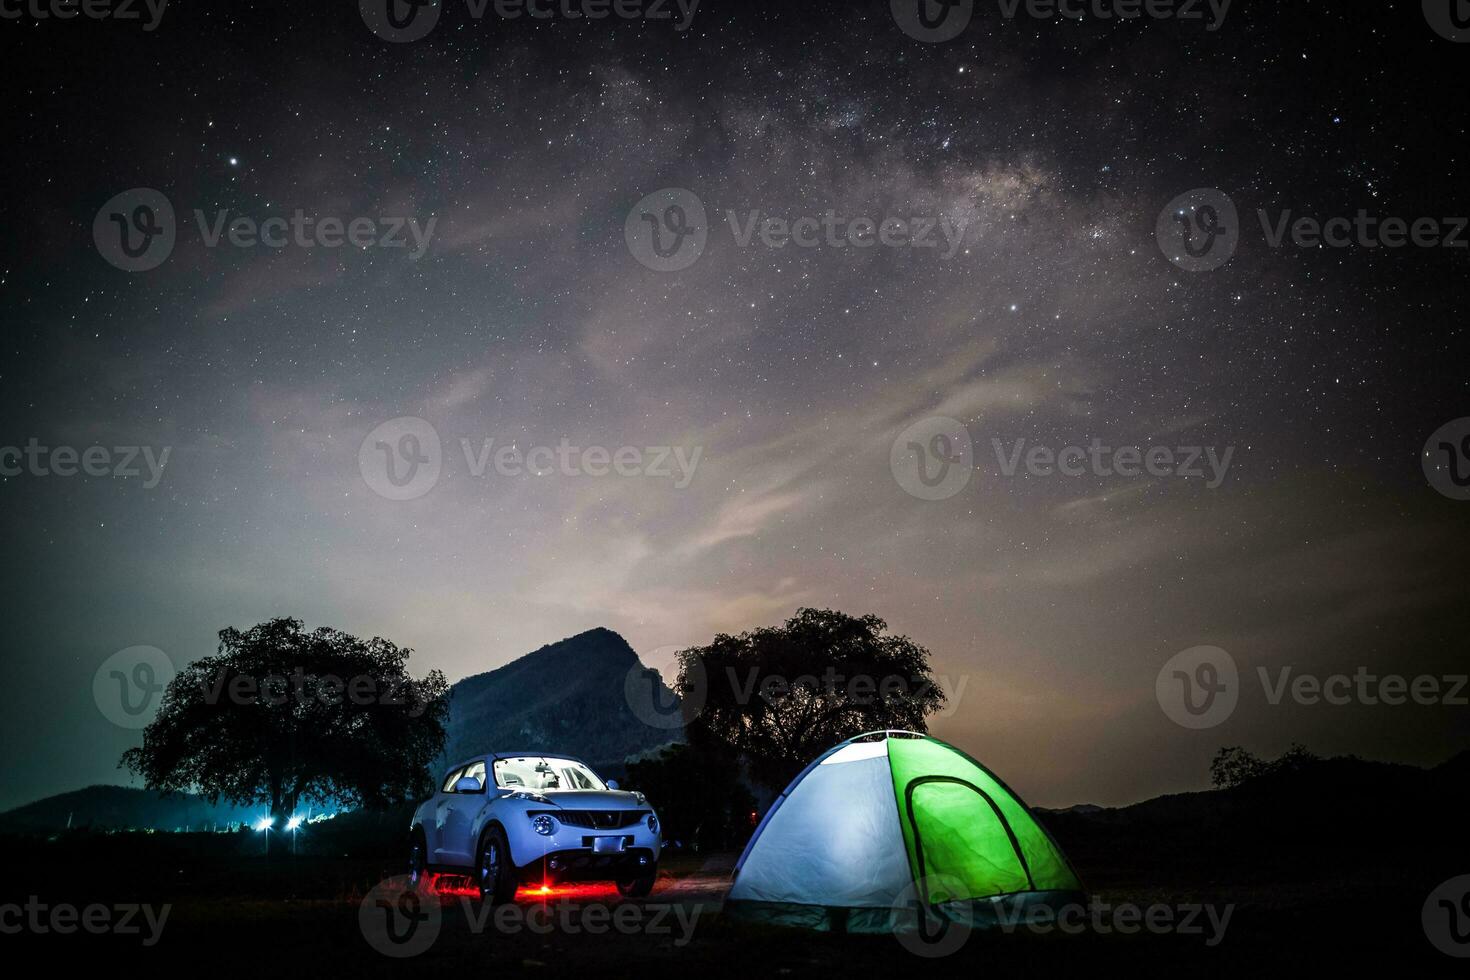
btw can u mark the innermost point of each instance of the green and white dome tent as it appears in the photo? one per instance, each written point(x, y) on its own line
point(891, 821)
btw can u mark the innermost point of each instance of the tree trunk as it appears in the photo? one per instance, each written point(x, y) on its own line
point(277, 844)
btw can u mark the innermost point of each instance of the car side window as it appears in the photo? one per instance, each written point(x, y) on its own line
point(476, 769)
point(451, 779)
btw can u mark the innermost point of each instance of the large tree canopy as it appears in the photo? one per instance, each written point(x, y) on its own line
point(779, 696)
point(283, 716)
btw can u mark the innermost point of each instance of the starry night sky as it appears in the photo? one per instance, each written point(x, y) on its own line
point(529, 321)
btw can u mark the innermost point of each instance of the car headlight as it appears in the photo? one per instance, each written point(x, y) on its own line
point(640, 799)
point(533, 797)
point(543, 825)
point(653, 823)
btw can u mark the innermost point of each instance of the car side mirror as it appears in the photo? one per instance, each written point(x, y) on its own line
point(612, 784)
point(467, 784)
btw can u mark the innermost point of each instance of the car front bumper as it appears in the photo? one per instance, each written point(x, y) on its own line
point(577, 848)
point(581, 864)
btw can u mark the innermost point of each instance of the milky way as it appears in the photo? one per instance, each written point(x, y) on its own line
point(719, 427)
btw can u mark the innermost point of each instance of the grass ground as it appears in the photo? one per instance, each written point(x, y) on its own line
point(232, 912)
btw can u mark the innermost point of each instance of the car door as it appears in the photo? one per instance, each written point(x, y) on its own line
point(455, 816)
point(434, 821)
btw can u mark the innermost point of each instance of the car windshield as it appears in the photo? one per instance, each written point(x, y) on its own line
point(536, 773)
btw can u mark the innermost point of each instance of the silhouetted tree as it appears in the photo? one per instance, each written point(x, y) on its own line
point(1232, 766)
point(778, 696)
point(281, 716)
point(698, 795)
point(1235, 766)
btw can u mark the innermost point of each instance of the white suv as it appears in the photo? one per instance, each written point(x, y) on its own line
point(538, 819)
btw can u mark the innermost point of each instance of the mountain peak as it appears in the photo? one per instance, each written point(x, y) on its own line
point(567, 696)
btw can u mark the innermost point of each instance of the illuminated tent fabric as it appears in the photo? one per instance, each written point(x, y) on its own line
point(885, 824)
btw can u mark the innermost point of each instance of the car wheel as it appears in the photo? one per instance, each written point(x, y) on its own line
point(493, 870)
point(418, 858)
point(640, 883)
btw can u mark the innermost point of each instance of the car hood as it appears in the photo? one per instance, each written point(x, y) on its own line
point(587, 799)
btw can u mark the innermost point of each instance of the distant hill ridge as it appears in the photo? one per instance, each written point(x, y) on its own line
point(122, 808)
point(1323, 814)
